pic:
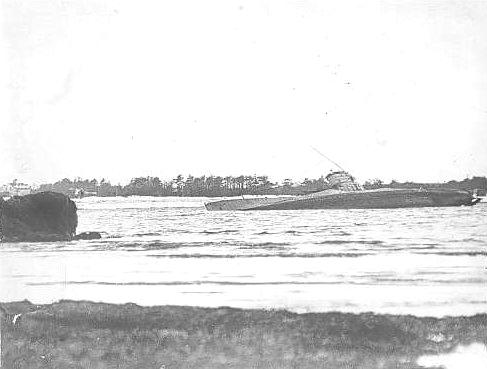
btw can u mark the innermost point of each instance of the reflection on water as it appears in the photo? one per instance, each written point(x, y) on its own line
point(156, 251)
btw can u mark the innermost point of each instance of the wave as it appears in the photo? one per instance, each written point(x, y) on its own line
point(264, 245)
point(275, 255)
point(243, 283)
point(344, 242)
point(468, 239)
point(157, 245)
point(283, 232)
point(147, 234)
point(455, 253)
point(307, 231)
point(190, 283)
point(227, 231)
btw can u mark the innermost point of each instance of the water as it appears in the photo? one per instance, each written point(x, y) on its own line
point(157, 251)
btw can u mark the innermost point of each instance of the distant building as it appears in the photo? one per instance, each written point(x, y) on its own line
point(4, 192)
point(16, 188)
point(80, 193)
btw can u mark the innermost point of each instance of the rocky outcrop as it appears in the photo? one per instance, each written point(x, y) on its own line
point(88, 236)
point(83, 334)
point(40, 217)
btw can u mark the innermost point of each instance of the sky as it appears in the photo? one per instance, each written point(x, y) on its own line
point(119, 89)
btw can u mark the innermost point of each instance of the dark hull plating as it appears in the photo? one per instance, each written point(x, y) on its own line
point(371, 199)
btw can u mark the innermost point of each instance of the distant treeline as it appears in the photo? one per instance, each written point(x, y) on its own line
point(216, 186)
point(474, 183)
point(207, 186)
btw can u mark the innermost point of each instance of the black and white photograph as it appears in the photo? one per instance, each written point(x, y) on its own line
point(243, 184)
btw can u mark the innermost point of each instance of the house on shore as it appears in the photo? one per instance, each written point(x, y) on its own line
point(15, 188)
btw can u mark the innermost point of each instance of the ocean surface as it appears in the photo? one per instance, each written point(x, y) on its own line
point(158, 251)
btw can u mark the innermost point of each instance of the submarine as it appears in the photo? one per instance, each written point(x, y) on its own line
point(344, 192)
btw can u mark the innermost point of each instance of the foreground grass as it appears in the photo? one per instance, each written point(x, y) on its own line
point(83, 334)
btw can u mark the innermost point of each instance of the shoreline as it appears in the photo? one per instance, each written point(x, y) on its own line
point(86, 334)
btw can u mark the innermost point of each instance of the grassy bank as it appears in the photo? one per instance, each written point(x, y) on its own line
point(73, 334)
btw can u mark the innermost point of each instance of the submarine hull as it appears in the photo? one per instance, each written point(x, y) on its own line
point(385, 198)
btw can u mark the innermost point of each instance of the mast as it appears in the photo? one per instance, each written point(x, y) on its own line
point(327, 158)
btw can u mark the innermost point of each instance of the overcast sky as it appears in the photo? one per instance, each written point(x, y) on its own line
point(118, 89)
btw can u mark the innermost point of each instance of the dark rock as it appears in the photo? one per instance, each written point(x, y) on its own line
point(88, 236)
point(39, 217)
